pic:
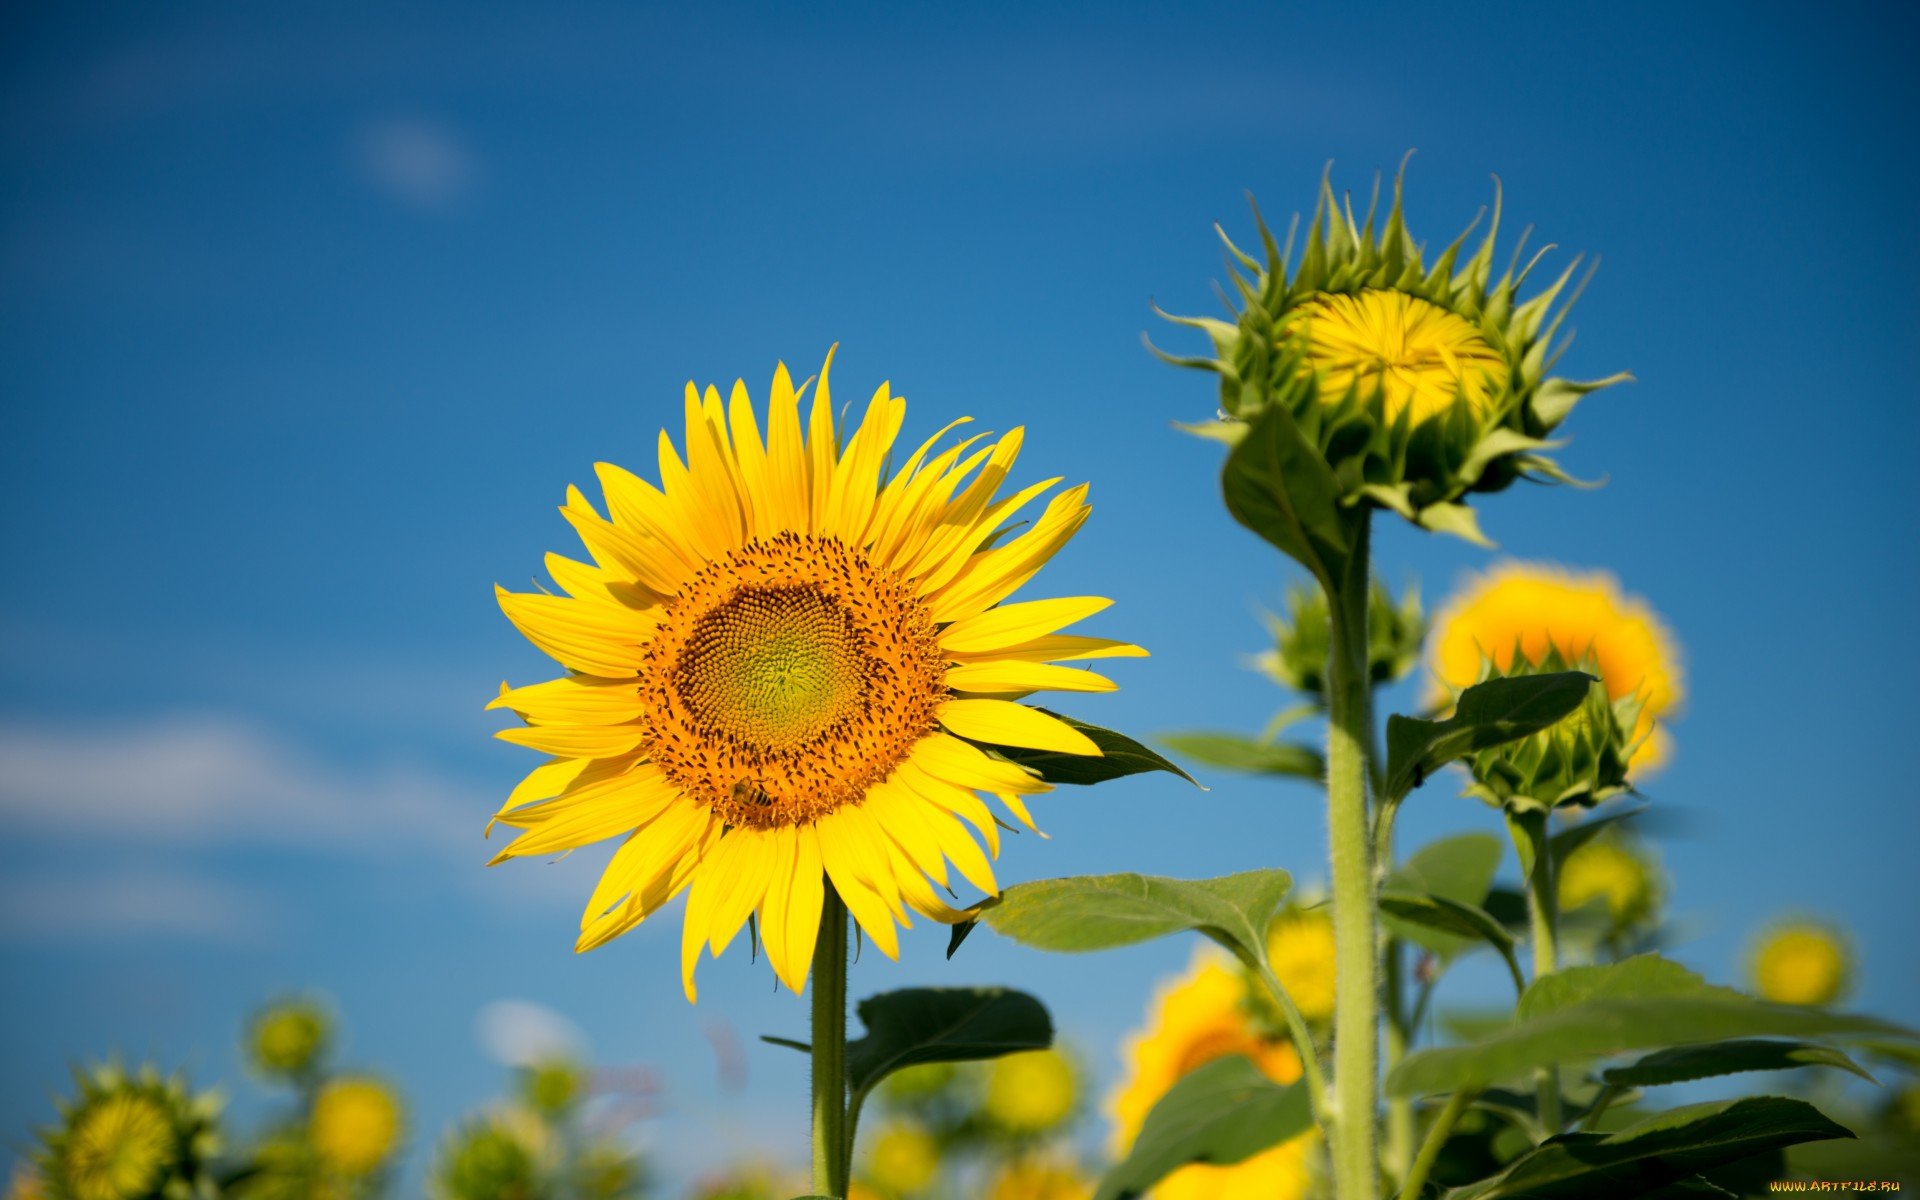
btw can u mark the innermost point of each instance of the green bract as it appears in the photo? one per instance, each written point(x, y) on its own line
point(1580, 759)
point(289, 1038)
point(1395, 631)
point(1419, 464)
point(131, 1137)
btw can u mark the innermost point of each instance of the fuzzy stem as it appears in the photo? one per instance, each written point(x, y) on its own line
point(1543, 913)
point(1398, 1148)
point(1355, 919)
point(831, 1152)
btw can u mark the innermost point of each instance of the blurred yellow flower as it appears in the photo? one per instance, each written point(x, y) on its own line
point(1802, 962)
point(1609, 870)
point(1300, 947)
point(903, 1159)
point(1421, 357)
point(1534, 607)
point(780, 664)
point(1031, 1092)
point(1204, 1014)
point(1040, 1179)
point(119, 1148)
point(355, 1124)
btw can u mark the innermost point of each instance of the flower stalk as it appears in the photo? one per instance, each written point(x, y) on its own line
point(832, 1139)
point(1543, 915)
point(1355, 915)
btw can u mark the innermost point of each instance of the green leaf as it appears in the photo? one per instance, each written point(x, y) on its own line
point(1487, 714)
point(1575, 836)
point(1236, 752)
point(1645, 1003)
point(1664, 1149)
point(1683, 1063)
point(1100, 912)
point(1465, 923)
point(1279, 485)
point(1119, 755)
point(1459, 869)
point(928, 1025)
point(1220, 1113)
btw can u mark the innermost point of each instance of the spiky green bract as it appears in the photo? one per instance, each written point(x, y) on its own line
point(131, 1136)
point(1396, 630)
point(1421, 469)
point(1581, 760)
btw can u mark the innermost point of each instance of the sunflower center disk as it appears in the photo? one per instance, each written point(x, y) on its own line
point(776, 667)
point(1421, 356)
point(788, 678)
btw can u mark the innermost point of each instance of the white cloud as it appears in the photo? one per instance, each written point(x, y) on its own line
point(180, 906)
point(419, 163)
point(210, 780)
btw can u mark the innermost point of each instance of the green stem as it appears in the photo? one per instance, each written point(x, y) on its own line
point(1543, 914)
point(1601, 1103)
point(1399, 1141)
point(1297, 1025)
point(831, 1145)
point(1437, 1135)
point(1355, 919)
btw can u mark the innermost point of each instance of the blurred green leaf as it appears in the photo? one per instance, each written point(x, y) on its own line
point(1665, 1149)
point(1119, 756)
point(1422, 913)
point(927, 1025)
point(1645, 1003)
point(1223, 1112)
point(1279, 486)
point(1236, 752)
point(1487, 714)
point(1683, 1063)
point(1099, 912)
point(1457, 868)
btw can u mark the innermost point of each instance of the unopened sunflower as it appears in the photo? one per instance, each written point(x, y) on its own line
point(783, 666)
point(1208, 1012)
point(131, 1136)
point(1420, 378)
point(1526, 609)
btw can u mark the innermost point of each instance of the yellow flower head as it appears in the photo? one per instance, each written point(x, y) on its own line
point(1614, 871)
point(1532, 608)
point(903, 1159)
point(355, 1124)
point(1030, 1093)
point(1420, 357)
point(288, 1038)
point(120, 1149)
point(783, 664)
point(1040, 1179)
point(1202, 1015)
point(1802, 962)
point(1300, 947)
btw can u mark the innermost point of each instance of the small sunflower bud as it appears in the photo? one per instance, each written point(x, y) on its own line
point(1581, 760)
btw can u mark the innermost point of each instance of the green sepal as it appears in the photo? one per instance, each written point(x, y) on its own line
point(1486, 715)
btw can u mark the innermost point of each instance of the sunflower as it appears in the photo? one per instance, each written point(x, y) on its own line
point(1300, 947)
point(1420, 378)
point(1531, 608)
point(783, 666)
point(130, 1137)
point(1802, 962)
point(1040, 1179)
point(903, 1160)
point(1614, 873)
point(288, 1038)
point(355, 1124)
point(1030, 1093)
point(1205, 1014)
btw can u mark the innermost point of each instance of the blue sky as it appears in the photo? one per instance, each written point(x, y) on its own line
point(308, 317)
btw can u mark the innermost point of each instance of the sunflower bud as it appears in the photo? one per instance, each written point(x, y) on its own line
point(1615, 874)
point(553, 1087)
point(355, 1125)
point(1419, 380)
point(130, 1137)
point(904, 1159)
point(1298, 660)
point(1030, 1093)
point(487, 1160)
point(289, 1039)
point(1581, 760)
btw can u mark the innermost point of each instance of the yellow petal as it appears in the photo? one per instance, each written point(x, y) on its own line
point(1025, 677)
point(592, 638)
point(1059, 647)
point(573, 700)
point(1014, 624)
point(968, 766)
point(576, 741)
point(596, 813)
point(1004, 723)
